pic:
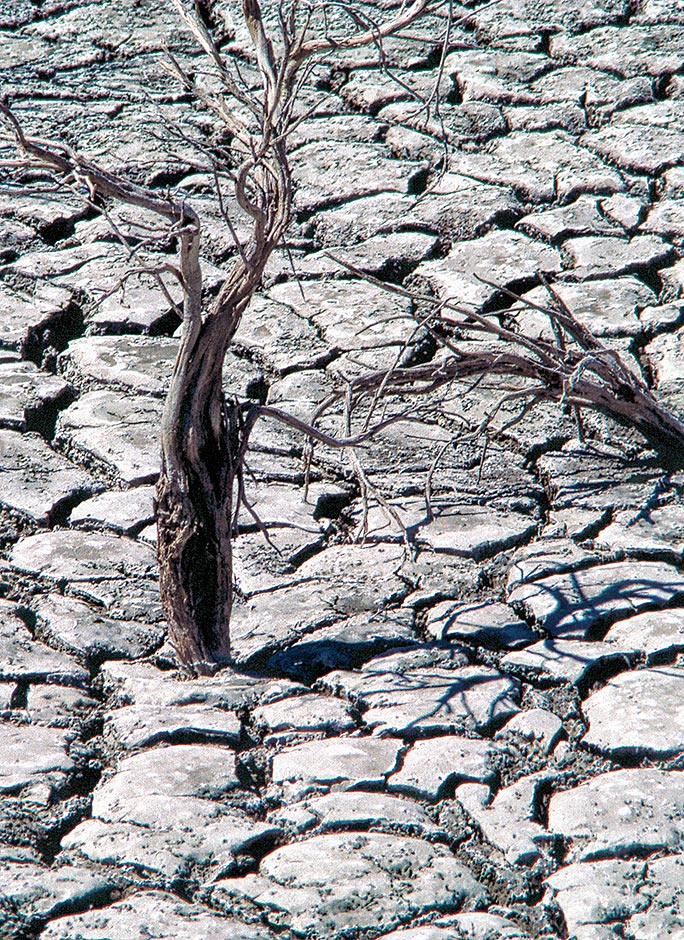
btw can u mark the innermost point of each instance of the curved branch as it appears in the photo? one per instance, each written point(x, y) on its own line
point(313, 47)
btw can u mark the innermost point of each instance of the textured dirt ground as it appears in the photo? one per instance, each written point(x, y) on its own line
point(479, 738)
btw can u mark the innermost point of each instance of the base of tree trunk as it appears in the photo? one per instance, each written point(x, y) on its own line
point(195, 577)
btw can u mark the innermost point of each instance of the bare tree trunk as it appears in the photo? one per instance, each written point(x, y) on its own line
point(200, 454)
point(203, 439)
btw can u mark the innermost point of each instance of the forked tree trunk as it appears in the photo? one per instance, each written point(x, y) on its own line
point(202, 442)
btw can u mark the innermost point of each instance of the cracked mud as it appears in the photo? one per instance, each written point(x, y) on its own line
point(482, 739)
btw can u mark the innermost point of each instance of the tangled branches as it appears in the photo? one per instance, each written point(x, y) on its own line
point(571, 368)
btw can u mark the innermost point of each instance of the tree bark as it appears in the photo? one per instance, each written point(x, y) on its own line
point(203, 438)
point(200, 454)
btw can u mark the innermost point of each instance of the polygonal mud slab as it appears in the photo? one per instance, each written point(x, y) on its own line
point(141, 364)
point(666, 219)
point(461, 206)
point(534, 724)
point(432, 768)
point(370, 89)
point(27, 315)
point(581, 217)
point(331, 883)
point(584, 477)
point(570, 605)
point(657, 634)
point(603, 92)
point(338, 582)
point(368, 170)
point(350, 314)
point(158, 812)
point(466, 531)
point(577, 524)
point(350, 811)
point(265, 565)
point(665, 357)
point(29, 396)
point(279, 506)
point(125, 511)
point(596, 257)
point(27, 752)
point(140, 308)
point(566, 660)
point(155, 28)
point(177, 834)
point(645, 139)
point(502, 257)
point(274, 333)
point(152, 915)
point(631, 50)
point(541, 167)
point(344, 645)
point(606, 307)
point(626, 211)
point(297, 393)
point(61, 706)
point(508, 822)
point(622, 813)
point(83, 556)
point(637, 147)
point(22, 658)
point(566, 116)
point(37, 481)
point(488, 624)
point(136, 726)
point(192, 770)
point(126, 301)
point(122, 598)
point(417, 694)
point(68, 262)
point(41, 893)
point(353, 762)
point(363, 218)
point(658, 531)
point(121, 431)
point(305, 714)
point(388, 254)
point(499, 75)
point(333, 126)
point(172, 712)
point(432, 570)
point(44, 212)
point(85, 630)
point(612, 898)
point(477, 925)
point(638, 713)
point(145, 685)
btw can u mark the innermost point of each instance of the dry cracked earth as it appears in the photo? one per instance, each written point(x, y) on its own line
point(481, 737)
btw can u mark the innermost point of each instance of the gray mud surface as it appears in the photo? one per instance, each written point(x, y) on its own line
point(483, 739)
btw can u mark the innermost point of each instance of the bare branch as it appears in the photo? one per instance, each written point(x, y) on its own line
point(405, 18)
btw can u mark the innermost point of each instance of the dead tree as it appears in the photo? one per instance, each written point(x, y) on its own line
point(204, 435)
